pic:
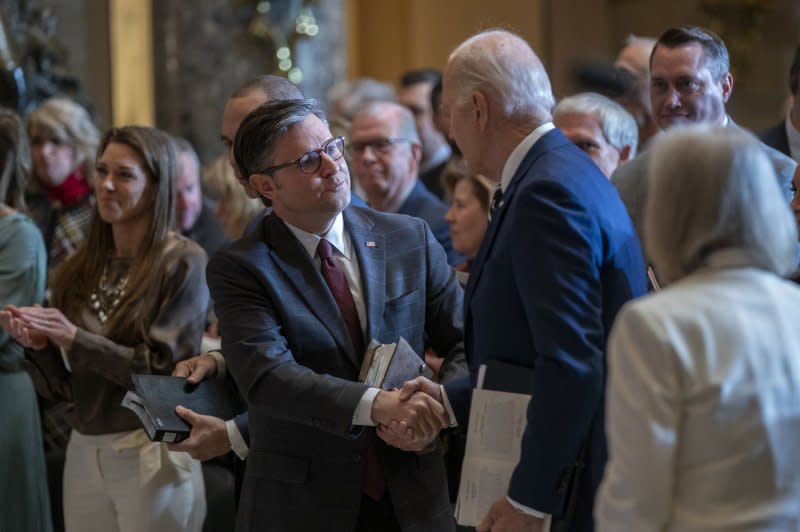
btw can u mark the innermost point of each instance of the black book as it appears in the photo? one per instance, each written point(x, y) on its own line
point(156, 397)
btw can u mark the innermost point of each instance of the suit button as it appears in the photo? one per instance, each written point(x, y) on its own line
point(356, 457)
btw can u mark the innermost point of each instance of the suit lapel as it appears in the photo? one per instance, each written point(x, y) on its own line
point(549, 140)
point(370, 250)
point(289, 255)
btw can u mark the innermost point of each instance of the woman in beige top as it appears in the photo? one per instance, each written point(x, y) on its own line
point(133, 300)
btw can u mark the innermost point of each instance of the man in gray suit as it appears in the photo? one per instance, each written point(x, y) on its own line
point(297, 300)
point(690, 82)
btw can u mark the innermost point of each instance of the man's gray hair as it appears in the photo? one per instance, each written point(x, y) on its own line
point(710, 189)
point(184, 146)
point(618, 125)
point(504, 66)
point(255, 140)
point(406, 126)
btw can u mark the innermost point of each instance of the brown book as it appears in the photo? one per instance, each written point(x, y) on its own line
point(389, 366)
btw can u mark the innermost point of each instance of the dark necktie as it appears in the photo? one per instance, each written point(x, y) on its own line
point(373, 484)
point(497, 202)
point(341, 293)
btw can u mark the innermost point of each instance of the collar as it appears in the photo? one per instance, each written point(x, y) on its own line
point(335, 236)
point(793, 138)
point(519, 153)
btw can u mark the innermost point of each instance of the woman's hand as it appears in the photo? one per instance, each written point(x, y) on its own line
point(37, 325)
point(11, 321)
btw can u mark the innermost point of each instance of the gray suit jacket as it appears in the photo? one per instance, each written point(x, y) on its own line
point(631, 182)
point(286, 344)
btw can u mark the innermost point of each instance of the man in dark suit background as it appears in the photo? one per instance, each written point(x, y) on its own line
point(560, 257)
point(297, 300)
point(690, 82)
point(785, 135)
point(385, 154)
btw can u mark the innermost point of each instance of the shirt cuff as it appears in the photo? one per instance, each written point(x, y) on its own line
point(221, 369)
point(450, 413)
point(526, 510)
point(237, 442)
point(363, 414)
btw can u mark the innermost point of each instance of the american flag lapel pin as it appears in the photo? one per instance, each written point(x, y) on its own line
point(370, 244)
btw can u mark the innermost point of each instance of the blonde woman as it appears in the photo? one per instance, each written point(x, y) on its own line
point(63, 145)
point(703, 393)
point(132, 300)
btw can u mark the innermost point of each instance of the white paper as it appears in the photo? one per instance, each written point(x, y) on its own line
point(494, 436)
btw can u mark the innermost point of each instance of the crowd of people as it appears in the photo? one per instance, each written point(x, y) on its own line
point(633, 253)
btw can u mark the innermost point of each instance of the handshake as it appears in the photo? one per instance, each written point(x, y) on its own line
point(411, 417)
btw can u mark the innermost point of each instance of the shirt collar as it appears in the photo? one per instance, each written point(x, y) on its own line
point(335, 236)
point(519, 153)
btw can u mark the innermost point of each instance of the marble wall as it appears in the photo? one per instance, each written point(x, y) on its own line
point(205, 49)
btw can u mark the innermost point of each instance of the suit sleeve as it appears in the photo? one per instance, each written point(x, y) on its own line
point(444, 323)
point(261, 361)
point(555, 266)
point(642, 425)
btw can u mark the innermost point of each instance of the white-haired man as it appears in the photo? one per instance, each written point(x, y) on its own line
point(600, 127)
point(559, 258)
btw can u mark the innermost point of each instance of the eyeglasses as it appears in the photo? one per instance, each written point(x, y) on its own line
point(381, 146)
point(310, 162)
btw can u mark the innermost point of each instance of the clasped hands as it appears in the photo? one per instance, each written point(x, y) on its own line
point(410, 418)
point(34, 327)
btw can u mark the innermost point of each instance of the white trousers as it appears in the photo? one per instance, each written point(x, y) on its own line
point(113, 488)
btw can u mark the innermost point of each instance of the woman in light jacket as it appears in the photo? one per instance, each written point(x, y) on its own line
point(703, 398)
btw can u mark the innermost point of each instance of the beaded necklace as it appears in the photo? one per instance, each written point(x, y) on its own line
point(106, 297)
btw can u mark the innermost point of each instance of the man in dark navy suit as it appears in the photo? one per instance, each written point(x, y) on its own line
point(385, 153)
point(560, 257)
point(298, 299)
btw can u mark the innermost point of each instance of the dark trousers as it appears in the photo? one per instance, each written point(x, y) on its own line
point(376, 515)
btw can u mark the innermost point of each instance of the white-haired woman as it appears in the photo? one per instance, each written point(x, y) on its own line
point(703, 400)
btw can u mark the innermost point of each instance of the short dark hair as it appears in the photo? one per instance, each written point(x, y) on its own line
point(254, 143)
point(273, 87)
point(794, 71)
point(716, 53)
point(421, 75)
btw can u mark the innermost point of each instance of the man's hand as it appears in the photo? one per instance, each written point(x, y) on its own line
point(410, 425)
point(196, 369)
point(503, 517)
point(208, 439)
point(421, 384)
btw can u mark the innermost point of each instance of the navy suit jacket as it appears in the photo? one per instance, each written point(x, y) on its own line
point(287, 347)
point(422, 203)
point(776, 137)
point(559, 259)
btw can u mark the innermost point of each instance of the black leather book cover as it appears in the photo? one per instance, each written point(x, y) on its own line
point(160, 395)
